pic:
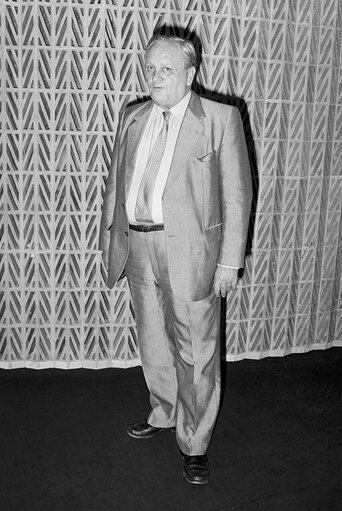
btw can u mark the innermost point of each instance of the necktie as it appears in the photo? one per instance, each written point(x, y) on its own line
point(143, 207)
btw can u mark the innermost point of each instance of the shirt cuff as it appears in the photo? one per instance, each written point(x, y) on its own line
point(224, 266)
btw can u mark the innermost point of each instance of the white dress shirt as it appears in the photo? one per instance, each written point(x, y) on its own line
point(152, 129)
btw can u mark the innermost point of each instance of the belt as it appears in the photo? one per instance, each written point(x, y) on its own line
point(146, 228)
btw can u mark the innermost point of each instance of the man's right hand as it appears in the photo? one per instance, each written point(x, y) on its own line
point(105, 258)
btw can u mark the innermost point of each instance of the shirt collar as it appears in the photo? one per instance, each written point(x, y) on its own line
point(177, 110)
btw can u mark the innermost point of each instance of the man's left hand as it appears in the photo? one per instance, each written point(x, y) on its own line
point(225, 280)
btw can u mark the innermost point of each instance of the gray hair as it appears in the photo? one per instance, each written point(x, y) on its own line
point(185, 45)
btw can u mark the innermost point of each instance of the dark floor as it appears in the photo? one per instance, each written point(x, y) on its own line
point(277, 444)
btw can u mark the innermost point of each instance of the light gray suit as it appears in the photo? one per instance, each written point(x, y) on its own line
point(206, 207)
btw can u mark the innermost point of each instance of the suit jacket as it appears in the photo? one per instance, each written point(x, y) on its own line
point(206, 201)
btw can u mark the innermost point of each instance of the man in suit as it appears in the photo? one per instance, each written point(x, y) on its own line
point(175, 220)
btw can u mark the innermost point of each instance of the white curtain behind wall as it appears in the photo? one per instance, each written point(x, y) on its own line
point(67, 67)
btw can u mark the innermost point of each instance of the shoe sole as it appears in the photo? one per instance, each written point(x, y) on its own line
point(131, 434)
point(142, 437)
point(192, 481)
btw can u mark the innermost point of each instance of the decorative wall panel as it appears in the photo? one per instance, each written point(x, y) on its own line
point(67, 68)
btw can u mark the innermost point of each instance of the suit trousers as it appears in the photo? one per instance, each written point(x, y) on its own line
point(178, 344)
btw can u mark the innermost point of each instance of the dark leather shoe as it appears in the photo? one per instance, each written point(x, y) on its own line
point(143, 429)
point(196, 468)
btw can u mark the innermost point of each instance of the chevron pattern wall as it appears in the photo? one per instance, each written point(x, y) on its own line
point(67, 68)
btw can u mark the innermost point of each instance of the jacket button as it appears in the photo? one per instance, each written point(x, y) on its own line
point(124, 206)
point(126, 233)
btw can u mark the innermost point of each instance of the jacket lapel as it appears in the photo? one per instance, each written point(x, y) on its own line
point(189, 133)
point(134, 134)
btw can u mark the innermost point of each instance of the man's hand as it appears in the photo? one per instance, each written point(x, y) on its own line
point(225, 280)
point(105, 258)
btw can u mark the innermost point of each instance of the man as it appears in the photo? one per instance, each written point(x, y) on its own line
point(175, 219)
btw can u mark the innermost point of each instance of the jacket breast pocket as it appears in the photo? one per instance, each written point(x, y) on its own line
point(206, 157)
point(213, 233)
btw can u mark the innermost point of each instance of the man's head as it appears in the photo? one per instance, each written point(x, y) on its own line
point(170, 65)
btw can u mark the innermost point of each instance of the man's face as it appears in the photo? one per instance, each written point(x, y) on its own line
point(167, 79)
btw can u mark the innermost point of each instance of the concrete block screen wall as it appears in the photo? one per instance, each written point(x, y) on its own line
point(67, 68)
